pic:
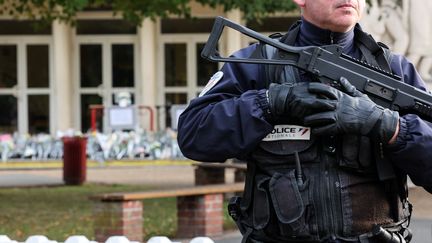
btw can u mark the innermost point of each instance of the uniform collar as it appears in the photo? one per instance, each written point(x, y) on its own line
point(312, 35)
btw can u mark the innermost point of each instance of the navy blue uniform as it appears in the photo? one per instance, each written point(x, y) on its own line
point(231, 119)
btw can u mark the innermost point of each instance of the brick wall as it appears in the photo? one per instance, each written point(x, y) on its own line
point(200, 215)
point(118, 218)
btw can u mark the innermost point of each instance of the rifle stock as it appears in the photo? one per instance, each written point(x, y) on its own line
point(329, 64)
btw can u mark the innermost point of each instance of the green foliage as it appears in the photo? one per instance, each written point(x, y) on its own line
point(255, 9)
point(136, 10)
point(45, 10)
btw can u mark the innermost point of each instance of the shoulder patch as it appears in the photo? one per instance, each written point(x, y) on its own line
point(212, 82)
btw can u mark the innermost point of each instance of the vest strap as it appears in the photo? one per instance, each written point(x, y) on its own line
point(371, 50)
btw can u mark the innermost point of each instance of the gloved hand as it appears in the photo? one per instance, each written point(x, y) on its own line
point(294, 101)
point(355, 113)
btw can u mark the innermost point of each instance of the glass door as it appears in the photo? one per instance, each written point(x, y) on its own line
point(25, 85)
point(106, 65)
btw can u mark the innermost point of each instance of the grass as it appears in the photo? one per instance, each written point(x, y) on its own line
point(59, 212)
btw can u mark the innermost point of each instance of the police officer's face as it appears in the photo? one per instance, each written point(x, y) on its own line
point(334, 15)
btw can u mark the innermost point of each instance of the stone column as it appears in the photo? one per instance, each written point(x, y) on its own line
point(62, 104)
point(148, 72)
point(233, 37)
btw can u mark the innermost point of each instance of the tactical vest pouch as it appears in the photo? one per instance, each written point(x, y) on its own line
point(281, 209)
point(357, 154)
point(289, 204)
point(261, 209)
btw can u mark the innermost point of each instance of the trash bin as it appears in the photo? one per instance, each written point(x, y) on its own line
point(74, 160)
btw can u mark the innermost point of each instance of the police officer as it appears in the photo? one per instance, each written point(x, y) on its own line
point(315, 154)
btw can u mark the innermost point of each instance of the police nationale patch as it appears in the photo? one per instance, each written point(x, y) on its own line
point(212, 82)
point(288, 132)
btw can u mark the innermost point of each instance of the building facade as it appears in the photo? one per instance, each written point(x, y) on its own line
point(51, 76)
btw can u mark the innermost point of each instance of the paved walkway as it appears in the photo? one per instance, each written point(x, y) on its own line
point(183, 175)
point(156, 175)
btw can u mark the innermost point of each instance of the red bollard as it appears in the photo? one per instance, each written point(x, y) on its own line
point(74, 160)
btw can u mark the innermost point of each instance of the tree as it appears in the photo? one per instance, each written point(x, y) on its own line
point(135, 10)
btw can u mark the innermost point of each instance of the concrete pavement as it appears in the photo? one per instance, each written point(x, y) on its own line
point(155, 175)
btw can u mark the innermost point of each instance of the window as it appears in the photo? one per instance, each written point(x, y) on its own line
point(90, 65)
point(8, 66)
point(175, 64)
point(123, 65)
point(24, 27)
point(38, 114)
point(8, 114)
point(25, 84)
point(107, 65)
point(37, 66)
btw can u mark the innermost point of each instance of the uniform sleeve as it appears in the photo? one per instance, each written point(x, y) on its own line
point(412, 151)
point(230, 119)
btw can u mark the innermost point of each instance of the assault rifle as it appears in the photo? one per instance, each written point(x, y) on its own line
point(329, 64)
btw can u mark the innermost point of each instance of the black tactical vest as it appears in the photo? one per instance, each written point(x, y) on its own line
point(323, 187)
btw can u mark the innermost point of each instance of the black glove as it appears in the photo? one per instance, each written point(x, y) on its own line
point(355, 113)
point(294, 101)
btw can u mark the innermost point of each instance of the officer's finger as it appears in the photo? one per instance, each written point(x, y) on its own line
point(323, 90)
point(320, 119)
point(320, 104)
point(348, 88)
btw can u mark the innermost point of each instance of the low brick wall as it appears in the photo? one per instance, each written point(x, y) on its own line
point(118, 218)
point(200, 215)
